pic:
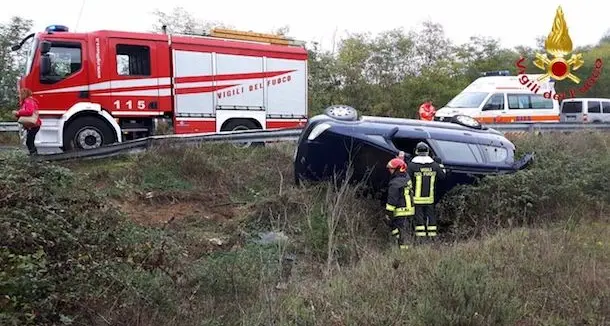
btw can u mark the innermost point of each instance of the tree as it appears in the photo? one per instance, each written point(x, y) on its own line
point(12, 64)
point(180, 21)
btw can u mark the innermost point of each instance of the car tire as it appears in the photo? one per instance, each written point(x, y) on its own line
point(466, 121)
point(341, 112)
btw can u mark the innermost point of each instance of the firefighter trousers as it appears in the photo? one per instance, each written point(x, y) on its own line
point(400, 230)
point(425, 221)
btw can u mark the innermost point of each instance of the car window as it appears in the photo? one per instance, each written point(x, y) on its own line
point(571, 107)
point(495, 102)
point(494, 153)
point(467, 100)
point(593, 107)
point(459, 152)
point(527, 101)
point(606, 107)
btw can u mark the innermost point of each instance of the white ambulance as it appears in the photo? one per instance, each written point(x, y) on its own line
point(498, 97)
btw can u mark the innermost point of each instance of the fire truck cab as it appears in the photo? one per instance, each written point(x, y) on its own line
point(103, 87)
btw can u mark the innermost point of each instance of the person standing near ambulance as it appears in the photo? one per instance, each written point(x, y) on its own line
point(427, 111)
point(425, 172)
point(399, 205)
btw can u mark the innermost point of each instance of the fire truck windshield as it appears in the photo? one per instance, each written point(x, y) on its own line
point(30, 56)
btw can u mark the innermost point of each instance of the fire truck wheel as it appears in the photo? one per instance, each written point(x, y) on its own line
point(242, 124)
point(87, 133)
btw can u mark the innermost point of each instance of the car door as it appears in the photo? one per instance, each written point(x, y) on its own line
point(494, 110)
point(605, 116)
point(571, 111)
point(519, 107)
point(594, 111)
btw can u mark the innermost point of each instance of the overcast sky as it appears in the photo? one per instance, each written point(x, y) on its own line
point(513, 22)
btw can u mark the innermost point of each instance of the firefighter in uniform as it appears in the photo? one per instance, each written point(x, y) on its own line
point(399, 206)
point(424, 171)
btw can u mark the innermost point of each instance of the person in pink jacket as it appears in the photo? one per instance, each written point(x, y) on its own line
point(28, 108)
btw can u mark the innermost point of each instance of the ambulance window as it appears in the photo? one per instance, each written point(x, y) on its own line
point(133, 60)
point(495, 102)
point(571, 107)
point(606, 107)
point(467, 100)
point(520, 101)
point(65, 60)
point(539, 102)
point(593, 107)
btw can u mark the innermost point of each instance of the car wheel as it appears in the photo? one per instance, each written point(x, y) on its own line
point(466, 121)
point(342, 112)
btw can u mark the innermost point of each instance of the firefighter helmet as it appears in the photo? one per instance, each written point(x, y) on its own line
point(422, 149)
point(397, 163)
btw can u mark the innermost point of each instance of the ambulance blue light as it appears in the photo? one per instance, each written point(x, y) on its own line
point(56, 28)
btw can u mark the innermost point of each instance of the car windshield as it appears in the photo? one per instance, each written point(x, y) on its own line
point(467, 100)
point(30, 55)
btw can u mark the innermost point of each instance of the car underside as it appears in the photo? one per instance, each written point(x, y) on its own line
point(336, 144)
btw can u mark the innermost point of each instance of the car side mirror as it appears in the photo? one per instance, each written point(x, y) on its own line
point(45, 47)
point(45, 65)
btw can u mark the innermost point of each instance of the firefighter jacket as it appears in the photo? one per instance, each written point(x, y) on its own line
point(425, 172)
point(400, 196)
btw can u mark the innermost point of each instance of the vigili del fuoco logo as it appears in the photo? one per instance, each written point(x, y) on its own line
point(558, 64)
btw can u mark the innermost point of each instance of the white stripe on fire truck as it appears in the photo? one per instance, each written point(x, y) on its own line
point(147, 92)
point(117, 84)
point(195, 119)
point(285, 119)
point(118, 113)
point(165, 81)
point(211, 83)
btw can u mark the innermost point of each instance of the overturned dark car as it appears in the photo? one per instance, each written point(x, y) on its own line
point(339, 141)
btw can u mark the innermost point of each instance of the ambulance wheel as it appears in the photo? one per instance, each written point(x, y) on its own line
point(240, 125)
point(341, 112)
point(87, 133)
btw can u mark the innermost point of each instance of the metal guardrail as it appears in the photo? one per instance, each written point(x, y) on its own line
point(504, 127)
point(9, 127)
point(533, 127)
point(144, 144)
point(255, 136)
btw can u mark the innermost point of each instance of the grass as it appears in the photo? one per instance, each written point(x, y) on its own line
point(525, 276)
point(9, 139)
point(524, 249)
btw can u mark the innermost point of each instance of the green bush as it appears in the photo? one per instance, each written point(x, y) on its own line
point(6, 115)
point(64, 252)
point(570, 178)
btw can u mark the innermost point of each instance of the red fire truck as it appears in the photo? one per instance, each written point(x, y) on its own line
point(103, 87)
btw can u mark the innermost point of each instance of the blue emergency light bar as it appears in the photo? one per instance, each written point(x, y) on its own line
point(56, 28)
point(496, 73)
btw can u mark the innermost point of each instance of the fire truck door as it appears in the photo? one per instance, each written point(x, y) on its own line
point(134, 84)
point(66, 84)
